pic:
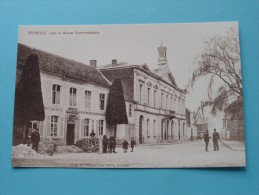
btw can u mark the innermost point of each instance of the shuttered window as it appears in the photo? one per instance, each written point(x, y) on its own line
point(102, 101)
point(56, 94)
point(88, 99)
point(72, 97)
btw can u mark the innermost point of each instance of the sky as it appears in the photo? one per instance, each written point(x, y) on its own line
point(131, 43)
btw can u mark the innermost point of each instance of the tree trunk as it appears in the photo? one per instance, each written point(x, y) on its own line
point(115, 131)
point(26, 135)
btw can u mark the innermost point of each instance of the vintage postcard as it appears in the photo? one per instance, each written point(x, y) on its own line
point(129, 96)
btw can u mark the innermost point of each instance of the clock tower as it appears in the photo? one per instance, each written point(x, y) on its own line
point(162, 59)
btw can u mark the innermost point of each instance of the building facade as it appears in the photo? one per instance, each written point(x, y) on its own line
point(155, 104)
point(233, 122)
point(74, 96)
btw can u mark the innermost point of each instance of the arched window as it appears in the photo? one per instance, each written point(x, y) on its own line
point(154, 128)
point(148, 126)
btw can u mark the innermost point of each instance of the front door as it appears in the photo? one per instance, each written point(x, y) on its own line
point(70, 134)
point(140, 129)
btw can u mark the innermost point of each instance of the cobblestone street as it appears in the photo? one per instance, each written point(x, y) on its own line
point(190, 154)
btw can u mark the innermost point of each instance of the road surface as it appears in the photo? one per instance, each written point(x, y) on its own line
point(191, 154)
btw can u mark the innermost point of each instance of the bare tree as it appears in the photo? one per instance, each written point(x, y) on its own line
point(220, 60)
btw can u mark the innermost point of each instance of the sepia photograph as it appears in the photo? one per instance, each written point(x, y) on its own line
point(129, 96)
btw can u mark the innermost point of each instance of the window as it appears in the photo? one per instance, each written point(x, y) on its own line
point(54, 126)
point(148, 126)
point(140, 93)
point(86, 127)
point(92, 125)
point(148, 96)
point(154, 98)
point(88, 99)
point(161, 101)
point(172, 103)
point(166, 101)
point(72, 97)
point(100, 127)
point(56, 94)
point(102, 101)
point(130, 110)
point(33, 125)
point(154, 128)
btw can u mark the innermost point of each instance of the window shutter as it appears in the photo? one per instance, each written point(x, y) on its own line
point(61, 131)
point(41, 128)
point(47, 92)
point(48, 126)
point(82, 128)
point(97, 127)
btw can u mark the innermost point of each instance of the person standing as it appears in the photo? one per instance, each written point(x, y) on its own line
point(215, 139)
point(125, 145)
point(112, 144)
point(105, 143)
point(35, 139)
point(206, 140)
point(92, 138)
point(132, 144)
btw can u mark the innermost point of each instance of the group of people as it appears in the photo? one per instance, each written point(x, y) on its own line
point(215, 139)
point(110, 144)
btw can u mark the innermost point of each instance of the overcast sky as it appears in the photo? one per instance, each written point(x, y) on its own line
point(136, 44)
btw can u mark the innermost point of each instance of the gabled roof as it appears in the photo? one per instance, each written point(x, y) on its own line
point(64, 67)
point(164, 75)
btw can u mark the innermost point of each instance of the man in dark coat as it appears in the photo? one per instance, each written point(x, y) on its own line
point(132, 144)
point(105, 143)
point(112, 144)
point(35, 139)
point(125, 146)
point(206, 139)
point(215, 139)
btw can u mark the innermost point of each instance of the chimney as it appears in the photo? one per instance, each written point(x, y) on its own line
point(93, 63)
point(114, 62)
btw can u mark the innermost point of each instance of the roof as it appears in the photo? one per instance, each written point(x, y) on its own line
point(64, 67)
point(164, 75)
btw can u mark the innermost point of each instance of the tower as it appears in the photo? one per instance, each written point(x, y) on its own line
point(162, 59)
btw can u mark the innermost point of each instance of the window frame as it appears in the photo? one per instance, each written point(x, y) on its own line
point(101, 101)
point(72, 96)
point(56, 94)
point(54, 124)
point(88, 99)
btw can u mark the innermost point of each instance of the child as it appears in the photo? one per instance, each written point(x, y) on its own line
point(125, 146)
point(132, 144)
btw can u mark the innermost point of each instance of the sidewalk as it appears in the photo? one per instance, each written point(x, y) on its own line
point(234, 145)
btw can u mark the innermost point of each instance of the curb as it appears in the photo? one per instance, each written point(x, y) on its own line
point(226, 145)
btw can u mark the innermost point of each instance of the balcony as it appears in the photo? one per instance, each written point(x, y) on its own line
point(170, 114)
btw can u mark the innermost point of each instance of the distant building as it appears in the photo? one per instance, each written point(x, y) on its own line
point(201, 129)
point(233, 122)
point(191, 128)
point(74, 96)
point(155, 104)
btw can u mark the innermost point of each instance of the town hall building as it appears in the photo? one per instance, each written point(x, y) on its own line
point(155, 104)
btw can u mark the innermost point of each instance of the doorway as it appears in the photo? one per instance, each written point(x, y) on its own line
point(70, 134)
point(140, 129)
